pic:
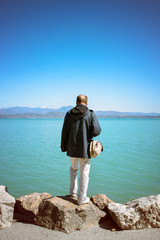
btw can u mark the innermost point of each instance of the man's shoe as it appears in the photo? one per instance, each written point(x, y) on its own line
point(86, 201)
point(73, 195)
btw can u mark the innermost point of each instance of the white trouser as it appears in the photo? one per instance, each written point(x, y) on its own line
point(84, 177)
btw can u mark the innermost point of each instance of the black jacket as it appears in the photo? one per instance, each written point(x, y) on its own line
point(79, 127)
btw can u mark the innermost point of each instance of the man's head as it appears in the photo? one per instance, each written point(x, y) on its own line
point(82, 99)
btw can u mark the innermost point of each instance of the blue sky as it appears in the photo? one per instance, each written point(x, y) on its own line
point(53, 50)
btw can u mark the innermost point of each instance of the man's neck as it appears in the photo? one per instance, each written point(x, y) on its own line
point(82, 104)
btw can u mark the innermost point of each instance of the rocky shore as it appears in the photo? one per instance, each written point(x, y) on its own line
point(62, 214)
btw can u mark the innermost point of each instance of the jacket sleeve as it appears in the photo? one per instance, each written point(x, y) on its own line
point(64, 134)
point(96, 129)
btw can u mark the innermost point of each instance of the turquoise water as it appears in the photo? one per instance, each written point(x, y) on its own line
point(128, 168)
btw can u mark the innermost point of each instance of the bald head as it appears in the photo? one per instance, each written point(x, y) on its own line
point(82, 99)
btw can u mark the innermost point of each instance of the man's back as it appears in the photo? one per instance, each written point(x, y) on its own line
point(80, 126)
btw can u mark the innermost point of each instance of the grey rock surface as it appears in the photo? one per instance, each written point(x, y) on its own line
point(63, 214)
point(7, 203)
point(137, 214)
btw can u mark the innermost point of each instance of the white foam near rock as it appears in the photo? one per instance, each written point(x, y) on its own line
point(7, 203)
point(137, 214)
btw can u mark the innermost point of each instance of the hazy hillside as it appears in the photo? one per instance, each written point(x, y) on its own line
point(21, 110)
point(26, 112)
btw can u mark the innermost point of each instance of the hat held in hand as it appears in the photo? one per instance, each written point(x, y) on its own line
point(95, 148)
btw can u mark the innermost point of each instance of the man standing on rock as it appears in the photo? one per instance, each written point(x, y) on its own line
point(79, 127)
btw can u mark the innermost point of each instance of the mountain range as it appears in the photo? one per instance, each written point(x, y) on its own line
point(43, 112)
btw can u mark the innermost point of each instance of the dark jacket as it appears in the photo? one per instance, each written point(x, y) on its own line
point(79, 127)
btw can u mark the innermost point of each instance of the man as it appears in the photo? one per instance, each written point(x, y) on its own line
point(79, 127)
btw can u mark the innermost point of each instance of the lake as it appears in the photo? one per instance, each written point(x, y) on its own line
point(129, 167)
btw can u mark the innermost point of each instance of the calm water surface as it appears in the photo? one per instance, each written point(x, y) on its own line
point(128, 168)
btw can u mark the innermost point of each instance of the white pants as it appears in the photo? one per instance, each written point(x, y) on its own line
point(84, 177)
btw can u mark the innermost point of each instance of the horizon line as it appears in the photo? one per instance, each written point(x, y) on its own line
point(44, 107)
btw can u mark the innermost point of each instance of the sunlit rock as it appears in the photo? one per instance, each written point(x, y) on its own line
point(137, 214)
point(7, 203)
point(101, 201)
point(63, 214)
point(26, 207)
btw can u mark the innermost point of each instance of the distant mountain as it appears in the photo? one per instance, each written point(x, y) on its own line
point(125, 114)
point(26, 112)
point(64, 109)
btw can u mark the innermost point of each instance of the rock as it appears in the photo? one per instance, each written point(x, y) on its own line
point(137, 214)
point(26, 207)
point(7, 203)
point(63, 214)
point(101, 201)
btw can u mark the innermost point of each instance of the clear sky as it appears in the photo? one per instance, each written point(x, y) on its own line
point(53, 50)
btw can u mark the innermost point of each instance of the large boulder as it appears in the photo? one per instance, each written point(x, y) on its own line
point(7, 203)
point(63, 214)
point(137, 214)
point(26, 207)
